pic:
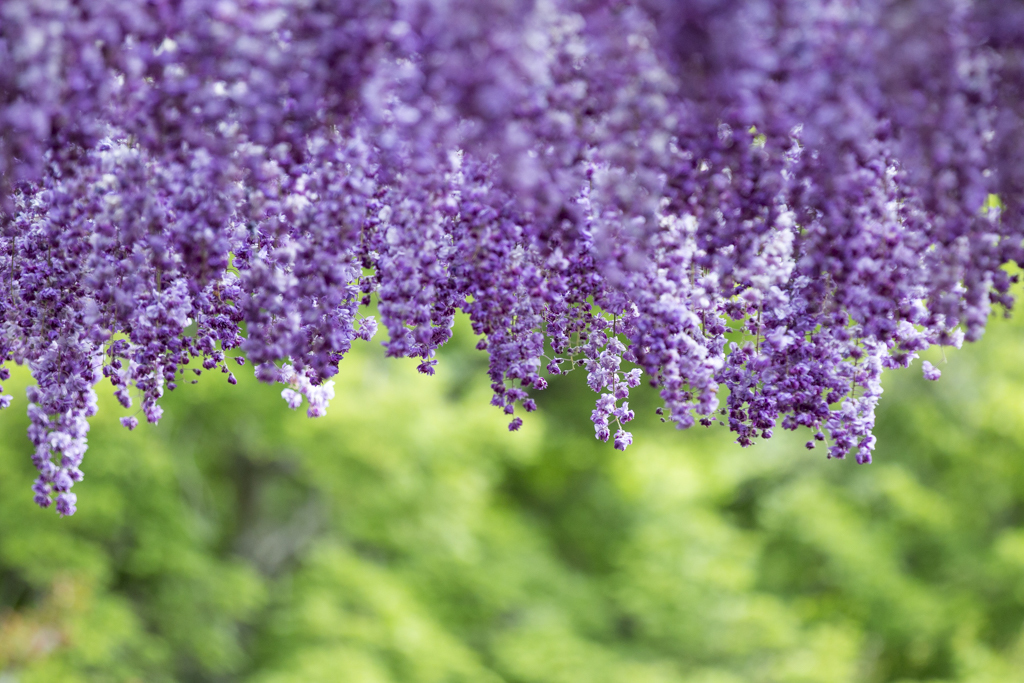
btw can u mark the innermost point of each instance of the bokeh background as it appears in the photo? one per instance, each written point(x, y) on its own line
point(408, 537)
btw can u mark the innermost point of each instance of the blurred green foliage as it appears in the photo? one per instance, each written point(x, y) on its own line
point(407, 537)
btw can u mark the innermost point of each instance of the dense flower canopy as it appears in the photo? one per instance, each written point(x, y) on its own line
point(778, 198)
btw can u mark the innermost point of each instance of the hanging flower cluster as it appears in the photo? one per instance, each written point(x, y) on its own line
point(778, 198)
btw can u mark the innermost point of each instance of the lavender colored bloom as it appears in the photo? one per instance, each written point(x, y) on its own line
point(779, 198)
point(292, 398)
point(66, 504)
point(930, 371)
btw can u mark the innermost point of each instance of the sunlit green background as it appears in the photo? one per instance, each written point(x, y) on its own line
point(408, 537)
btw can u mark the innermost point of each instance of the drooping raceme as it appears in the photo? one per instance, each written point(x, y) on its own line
point(777, 197)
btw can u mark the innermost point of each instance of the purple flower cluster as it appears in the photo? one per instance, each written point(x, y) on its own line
point(780, 198)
